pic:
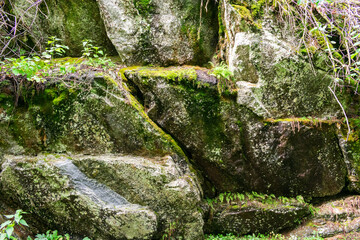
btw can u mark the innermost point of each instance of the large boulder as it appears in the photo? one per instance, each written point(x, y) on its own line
point(234, 148)
point(159, 183)
point(273, 79)
point(96, 116)
point(72, 21)
point(99, 115)
point(63, 198)
point(106, 196)
point(170, 32)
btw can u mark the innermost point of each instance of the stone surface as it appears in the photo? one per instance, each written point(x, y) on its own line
point(58, 201)
point(273, 80)
point(159, 183)
point(334, 218)
point(72, 21)
point(351, 153)
point(249, 216)
point(161, 32)
point(98, 117)
point(235, 150)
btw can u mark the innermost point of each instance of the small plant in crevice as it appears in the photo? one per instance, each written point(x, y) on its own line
point(94, 56)
point(55, 49)
point(170, 231)
point(224, 76)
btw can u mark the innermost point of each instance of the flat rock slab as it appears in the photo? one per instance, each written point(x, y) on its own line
point(334, 219)
point(254, 216)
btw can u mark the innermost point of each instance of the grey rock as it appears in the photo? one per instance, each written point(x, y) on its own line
point(158, 183)
point(58, 202)
point(273, 80)
point(161, 32)
point(338, 217)
point(235, 149)
point(72, 21)
point(254, 216)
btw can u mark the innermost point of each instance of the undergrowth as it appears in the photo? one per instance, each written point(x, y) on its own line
point(48, 65)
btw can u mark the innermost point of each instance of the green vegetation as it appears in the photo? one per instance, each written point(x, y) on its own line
point(325, 28)
point(8, 227)
point(242, 200)
point(224, 76)
point(48, 66)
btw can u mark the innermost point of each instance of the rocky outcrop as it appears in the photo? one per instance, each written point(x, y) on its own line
point(158, 183)
point(161, 32)
point(235, 149)
point(98, 117)
point(72, 21)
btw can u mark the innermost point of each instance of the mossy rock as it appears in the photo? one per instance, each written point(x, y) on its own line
point(83, 119)
point(235, 149)
point(161, 32)
point(72, 21)
point(254, 216)
point(172, 193)
point(57, 201)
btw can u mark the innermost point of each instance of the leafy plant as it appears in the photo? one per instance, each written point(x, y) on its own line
point(169, 232)
point(222, 71)
point(52, 235)
point(32, 68)
point(224, 76)
point(55, 48)
point(95, 55)
point(7, 228)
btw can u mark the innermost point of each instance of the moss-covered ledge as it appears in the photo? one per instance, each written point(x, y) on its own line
point(89, 112)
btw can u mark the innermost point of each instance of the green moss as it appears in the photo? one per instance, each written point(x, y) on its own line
point(175, 75)
point(145, 7)
point(220, 21)
point(244, 12)
point(305, 120)
point(257, 9)
point(168, 140)
point(63, 96)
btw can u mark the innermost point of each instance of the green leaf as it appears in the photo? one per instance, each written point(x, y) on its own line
point(5, 224)
point(9, 231)
point(24, 223)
